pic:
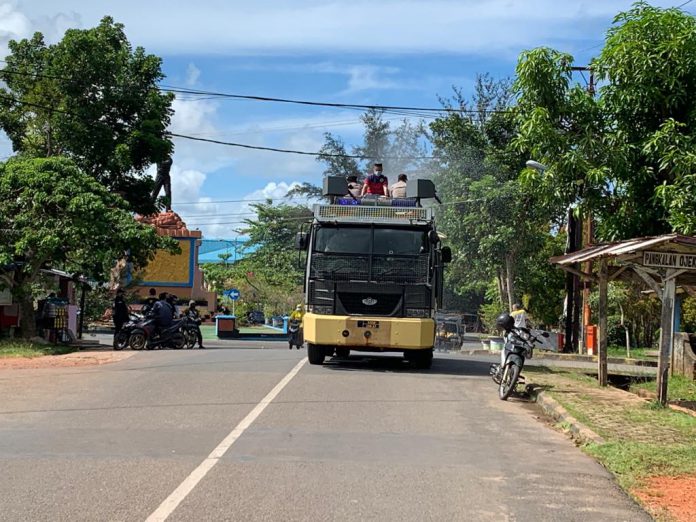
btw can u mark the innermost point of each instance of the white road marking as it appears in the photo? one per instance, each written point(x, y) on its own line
point(167, 507)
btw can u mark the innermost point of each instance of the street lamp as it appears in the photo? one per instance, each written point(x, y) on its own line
point(536, 166)
point(572, 283)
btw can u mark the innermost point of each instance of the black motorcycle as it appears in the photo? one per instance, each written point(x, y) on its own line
point(190, 326)
point(519, 346)
point(122, 338)
point(147, 336)
point(295, 334)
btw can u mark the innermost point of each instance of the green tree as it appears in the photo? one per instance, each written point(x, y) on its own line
point(52, 214)
point(495, 225)
point(399, 149)
point(93, 98)
point(626, 153)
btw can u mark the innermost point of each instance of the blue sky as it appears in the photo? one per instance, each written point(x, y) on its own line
point(367, 52)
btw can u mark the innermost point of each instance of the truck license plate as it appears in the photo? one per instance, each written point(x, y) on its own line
point(368, 324)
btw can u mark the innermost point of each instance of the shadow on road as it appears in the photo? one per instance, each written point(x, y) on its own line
point(386, 363)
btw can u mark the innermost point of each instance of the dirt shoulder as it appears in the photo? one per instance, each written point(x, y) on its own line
point(86, 358)
point(651, 450)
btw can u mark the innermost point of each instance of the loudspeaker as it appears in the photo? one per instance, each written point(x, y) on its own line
point(420, 188)
point(335, 186)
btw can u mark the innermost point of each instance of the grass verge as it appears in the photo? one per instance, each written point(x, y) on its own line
point(636, 353)
point(642, 439)
point(10, 348)
point(678, 388)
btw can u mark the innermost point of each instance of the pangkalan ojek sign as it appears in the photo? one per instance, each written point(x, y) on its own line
point(669, 260)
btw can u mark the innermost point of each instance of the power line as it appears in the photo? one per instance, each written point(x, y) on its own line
point(290, 151)
point(394, 109)
point(426, 110)
point(218, 142)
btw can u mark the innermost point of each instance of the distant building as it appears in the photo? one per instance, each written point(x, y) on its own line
point(211, 250)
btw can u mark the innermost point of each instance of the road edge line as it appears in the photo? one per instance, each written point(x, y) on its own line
point(169, 505)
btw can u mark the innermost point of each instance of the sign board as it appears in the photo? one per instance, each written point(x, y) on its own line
point(232, 294)
point(670, 260)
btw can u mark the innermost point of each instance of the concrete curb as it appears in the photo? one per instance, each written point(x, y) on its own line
point(552, 408)
point(594, 358)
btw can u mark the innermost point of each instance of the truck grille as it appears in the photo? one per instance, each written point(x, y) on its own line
point(385, 269)
point(346, 298)
point(350, 303)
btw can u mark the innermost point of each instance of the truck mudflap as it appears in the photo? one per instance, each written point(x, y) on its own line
point(369, 333)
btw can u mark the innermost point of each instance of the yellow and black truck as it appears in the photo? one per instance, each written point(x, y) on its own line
point(374, 276)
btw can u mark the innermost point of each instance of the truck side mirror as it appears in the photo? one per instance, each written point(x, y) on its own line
point(433, 237)
point(446, 254)
point(301, 241)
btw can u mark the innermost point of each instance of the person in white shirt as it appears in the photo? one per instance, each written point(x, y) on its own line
point(519, 315)
point(398, 189)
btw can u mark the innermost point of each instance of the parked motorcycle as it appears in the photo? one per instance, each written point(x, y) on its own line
point(146, 336)
point(295, 334)
point(122, 338)
point(519, 346)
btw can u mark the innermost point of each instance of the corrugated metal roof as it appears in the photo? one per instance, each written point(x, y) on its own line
point(620, 248)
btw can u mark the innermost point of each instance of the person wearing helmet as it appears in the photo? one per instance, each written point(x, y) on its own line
point(297, 314)
point(194, 317)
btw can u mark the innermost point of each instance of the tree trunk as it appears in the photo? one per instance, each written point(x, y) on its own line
point(501, 288)
point(27, 321)
point(510, 276)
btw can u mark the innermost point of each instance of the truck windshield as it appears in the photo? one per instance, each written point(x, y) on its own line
point(378, 241)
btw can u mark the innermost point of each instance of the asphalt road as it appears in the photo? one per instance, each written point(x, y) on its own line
point(367, 439)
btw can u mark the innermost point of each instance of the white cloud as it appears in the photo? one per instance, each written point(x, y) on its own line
point(389, 26)
point(192, 75)
point(223, 220)
point(13, 25)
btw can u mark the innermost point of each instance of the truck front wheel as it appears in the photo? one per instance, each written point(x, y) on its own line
point(315, 354)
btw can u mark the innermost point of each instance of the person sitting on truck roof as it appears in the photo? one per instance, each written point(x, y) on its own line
point(354, 188)
point(398, 189)
point(376, 183)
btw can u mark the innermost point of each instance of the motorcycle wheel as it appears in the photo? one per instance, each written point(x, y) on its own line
point(191, 338)
point(508, 381)
point(137, 341)
point(178, 341)
point(121, 341)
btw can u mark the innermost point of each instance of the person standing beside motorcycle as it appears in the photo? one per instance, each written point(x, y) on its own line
point(195, 317)
point(519, 315)
point(120, 312)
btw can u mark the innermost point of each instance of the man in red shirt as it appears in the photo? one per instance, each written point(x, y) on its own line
point(376, 183)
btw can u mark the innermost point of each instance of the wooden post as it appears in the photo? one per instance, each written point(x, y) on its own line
point(666, 335)
point(602, 370)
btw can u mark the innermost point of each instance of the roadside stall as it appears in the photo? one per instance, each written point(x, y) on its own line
point(659, 263)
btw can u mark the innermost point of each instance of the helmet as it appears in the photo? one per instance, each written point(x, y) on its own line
point(505, 321)
point(298, 308)
point(192, 303)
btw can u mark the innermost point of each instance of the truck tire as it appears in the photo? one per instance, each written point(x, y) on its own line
point(315, 353)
